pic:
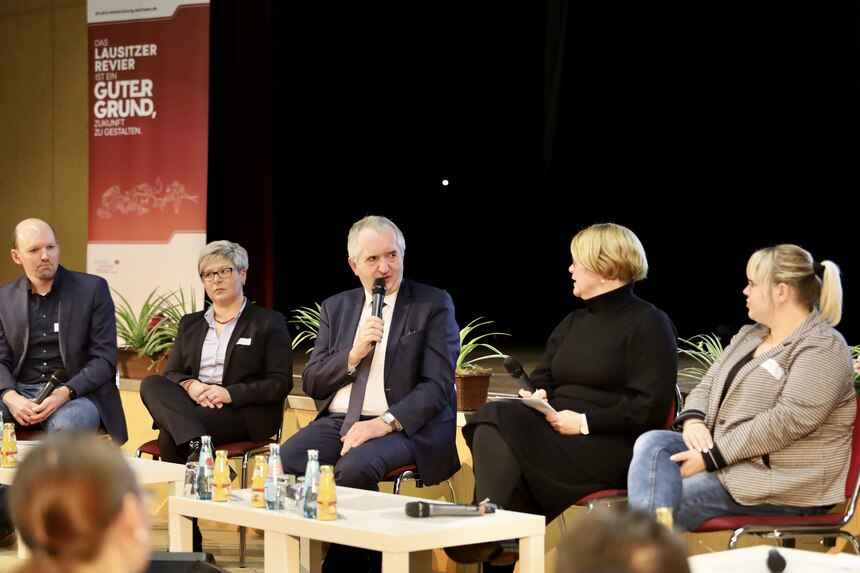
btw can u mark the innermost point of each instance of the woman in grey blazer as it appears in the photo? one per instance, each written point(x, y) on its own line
point(768, 429)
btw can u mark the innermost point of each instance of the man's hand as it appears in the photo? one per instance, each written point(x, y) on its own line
point(26, 412)
point(369, 331)
point(49, 405)
point(361, 432)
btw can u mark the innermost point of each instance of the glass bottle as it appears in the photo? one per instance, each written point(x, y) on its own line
point(205, 469)
point(275, 469)
point(312, 484)
point(191, 468)
point(9, 447)
point(258, 481)
point(327, 496)
point(286, 483)
point(299, 495)
point(664, 517)
point(221, 483)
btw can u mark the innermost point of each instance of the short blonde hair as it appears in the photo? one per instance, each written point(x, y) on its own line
point(610, 250)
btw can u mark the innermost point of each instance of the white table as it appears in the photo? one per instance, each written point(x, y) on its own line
point(371, 520)
point(146, 471)
point(753, 560)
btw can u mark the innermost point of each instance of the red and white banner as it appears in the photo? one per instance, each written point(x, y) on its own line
point(148, 131)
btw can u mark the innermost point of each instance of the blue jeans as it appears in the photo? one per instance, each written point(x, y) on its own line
point(76, 414)
point(654, 480)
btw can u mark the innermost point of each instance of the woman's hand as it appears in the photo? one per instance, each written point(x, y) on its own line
point(691, 462)
point(539, 393)
point(697, 436)
point(209, 395)
point(565, 422)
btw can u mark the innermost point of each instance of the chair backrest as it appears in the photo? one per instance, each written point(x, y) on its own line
point(675, 410)
point(852, 482)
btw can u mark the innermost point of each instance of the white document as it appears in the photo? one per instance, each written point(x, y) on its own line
point(538, 404)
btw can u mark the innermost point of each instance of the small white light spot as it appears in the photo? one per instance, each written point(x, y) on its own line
point(444, 182)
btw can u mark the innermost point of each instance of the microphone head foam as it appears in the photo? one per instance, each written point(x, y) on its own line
point(513, 366)
point(417, 509)
point(60, 375)
point(379, 286)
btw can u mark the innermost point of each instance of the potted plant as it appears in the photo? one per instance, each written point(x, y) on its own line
point(307, 320)
point(148, 335)
point(472, 379)
point(704, 349)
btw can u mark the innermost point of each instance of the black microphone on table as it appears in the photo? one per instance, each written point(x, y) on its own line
point(515, 369)
point(378, 293)
point(427, 509)
point(58, 378)
point(775, 561)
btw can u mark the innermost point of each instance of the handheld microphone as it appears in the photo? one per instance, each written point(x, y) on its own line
point(515, 369)
point(426, 509)
point(378, 292)
point(378, 296)
point(58, 378)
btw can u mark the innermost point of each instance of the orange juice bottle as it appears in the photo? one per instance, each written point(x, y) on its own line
point(258, 481)
point(326, 496)
point(9, 447)
point(221, 486)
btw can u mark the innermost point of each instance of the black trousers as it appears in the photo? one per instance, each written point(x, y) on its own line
point(179, 419)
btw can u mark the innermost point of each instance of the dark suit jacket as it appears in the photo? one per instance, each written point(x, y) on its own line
point(423, 343)
point(87, 341)
point(258, 373)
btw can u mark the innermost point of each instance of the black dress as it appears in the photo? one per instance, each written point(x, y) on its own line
point(616, 361)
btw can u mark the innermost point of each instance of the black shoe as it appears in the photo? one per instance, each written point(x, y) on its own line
point(494, 552)
point(7, 534)
point(196, 537)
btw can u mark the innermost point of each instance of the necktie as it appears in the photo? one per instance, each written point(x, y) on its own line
point(356, 394)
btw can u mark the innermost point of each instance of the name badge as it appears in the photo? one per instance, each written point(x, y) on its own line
point(56, 327)
point(773, 368)
point(243, 342)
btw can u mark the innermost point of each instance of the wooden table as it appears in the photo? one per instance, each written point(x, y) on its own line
point(145, 470)
point(367, 519)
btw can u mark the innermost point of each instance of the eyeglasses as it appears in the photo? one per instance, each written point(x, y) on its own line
point(224, 273)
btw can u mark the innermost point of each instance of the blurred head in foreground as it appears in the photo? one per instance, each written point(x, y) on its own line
point(617, 540)
point(77, 507)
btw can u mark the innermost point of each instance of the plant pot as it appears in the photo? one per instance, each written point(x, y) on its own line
point(471, 391)
point(131, 365)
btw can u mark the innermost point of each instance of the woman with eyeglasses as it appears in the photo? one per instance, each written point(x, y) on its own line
point(230, 370)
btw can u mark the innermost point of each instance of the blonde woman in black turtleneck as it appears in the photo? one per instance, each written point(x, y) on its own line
point(609, 370)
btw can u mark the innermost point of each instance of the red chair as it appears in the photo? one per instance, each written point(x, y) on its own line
point(828, 526)
point(607, 497)
point(235, 450)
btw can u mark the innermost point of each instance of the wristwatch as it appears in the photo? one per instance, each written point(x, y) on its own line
point(583, 428)
point(389, 419)
point(72, 393)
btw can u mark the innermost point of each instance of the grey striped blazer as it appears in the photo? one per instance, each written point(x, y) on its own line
point(784, 427)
